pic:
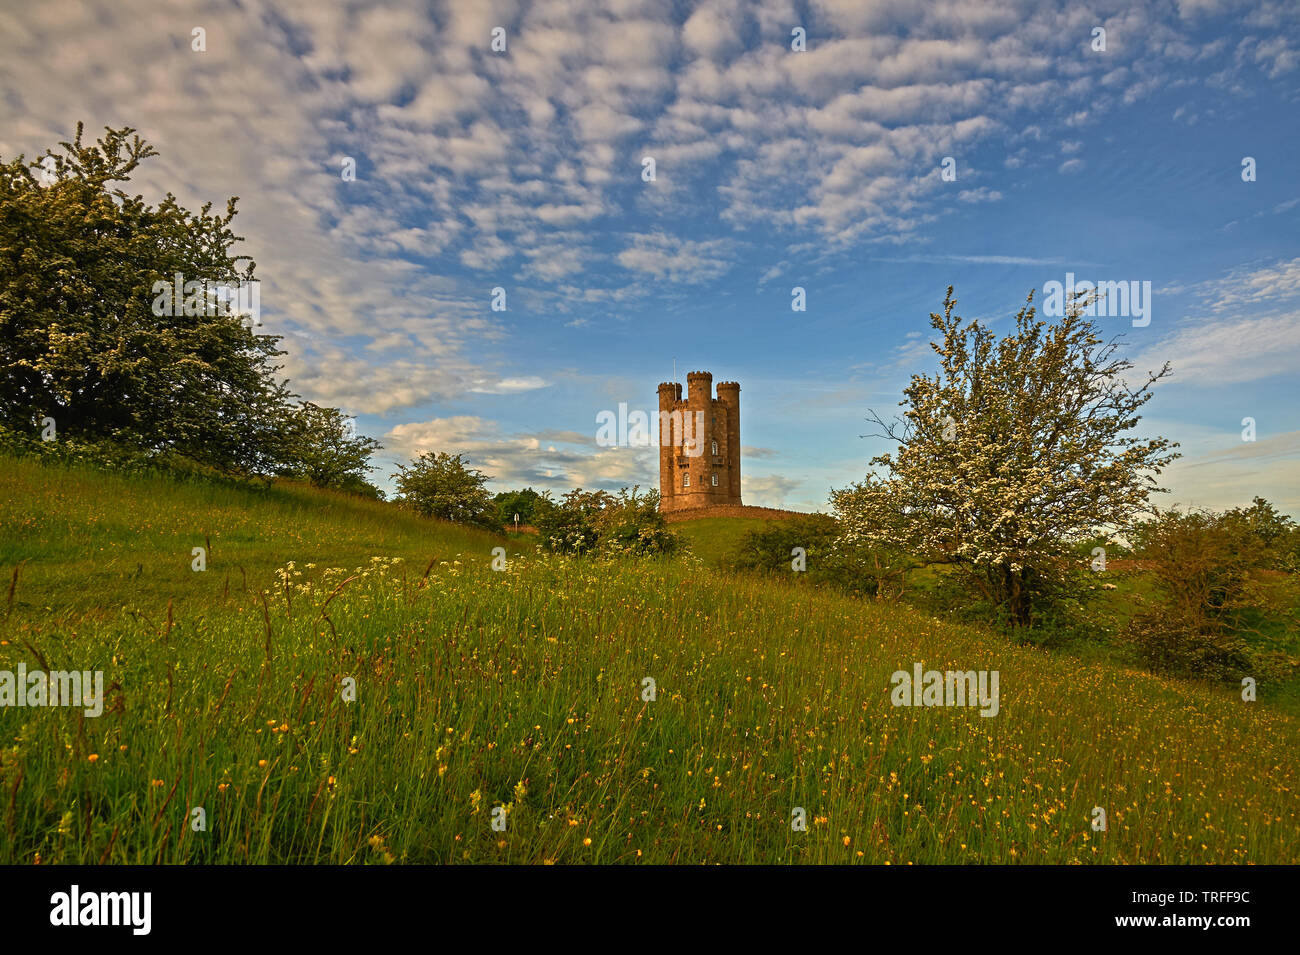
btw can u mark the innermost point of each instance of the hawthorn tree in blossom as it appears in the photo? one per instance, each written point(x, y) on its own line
point(1015, 449)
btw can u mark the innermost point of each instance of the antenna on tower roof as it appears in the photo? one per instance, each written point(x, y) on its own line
point(674, 370)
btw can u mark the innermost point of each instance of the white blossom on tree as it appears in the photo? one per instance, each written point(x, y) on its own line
point(1016, 448)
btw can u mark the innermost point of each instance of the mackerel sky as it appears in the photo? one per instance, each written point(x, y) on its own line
point(774, 168)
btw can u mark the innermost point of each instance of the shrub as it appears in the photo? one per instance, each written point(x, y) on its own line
point(320, 445)
point(1274, 535)
point(105, 452)
point(872, 571)
point(441, 485)
point(1206, 593)
point(584, 522)
point(632, 524)
point(568, 526)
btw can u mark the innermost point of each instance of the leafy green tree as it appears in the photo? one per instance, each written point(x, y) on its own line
point(442, 485)
point(1013, 450)
point(82, 339)
point(320, 445)
point(510, 503)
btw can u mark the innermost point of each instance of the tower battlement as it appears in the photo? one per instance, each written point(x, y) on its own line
point(699, 469)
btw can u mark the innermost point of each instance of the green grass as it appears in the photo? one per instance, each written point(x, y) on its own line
point(716, 540)
point(88, 540)
point(524, 688)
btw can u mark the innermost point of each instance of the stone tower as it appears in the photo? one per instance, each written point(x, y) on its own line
point(699, 443)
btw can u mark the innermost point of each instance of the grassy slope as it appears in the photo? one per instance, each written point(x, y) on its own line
point(90, 540)
point(716, 539)
point(525, 688)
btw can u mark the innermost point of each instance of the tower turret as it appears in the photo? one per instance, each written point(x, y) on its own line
point(699, 443)
point(729, 395)
point(670, 395)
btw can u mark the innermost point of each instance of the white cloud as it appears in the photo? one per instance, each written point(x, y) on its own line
point(687, 261)
point(1271, 283)
point(713, 31)
point(1233, 475)
point(980, 194)
point(1222, 352)
point(509, 386)
point(1238, 341)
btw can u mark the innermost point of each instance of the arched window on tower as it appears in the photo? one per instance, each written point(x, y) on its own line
point(686, 479)
point(715, 449)
point(715, 480)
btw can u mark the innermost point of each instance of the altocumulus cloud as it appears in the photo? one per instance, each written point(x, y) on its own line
point(522, 170)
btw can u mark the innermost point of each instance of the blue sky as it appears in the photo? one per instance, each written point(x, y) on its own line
point(522, 170)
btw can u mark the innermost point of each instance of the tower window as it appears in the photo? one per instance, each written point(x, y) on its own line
point(715, 480)
point(715, 453)
point(686, 479)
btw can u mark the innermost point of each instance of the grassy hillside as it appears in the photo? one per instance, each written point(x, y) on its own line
point(88, 540)
point(523, 689)
point(716, 540)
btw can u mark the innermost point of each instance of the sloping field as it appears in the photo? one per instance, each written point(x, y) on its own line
point(349, 708)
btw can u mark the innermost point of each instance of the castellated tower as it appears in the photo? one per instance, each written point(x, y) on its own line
point(699, 443)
